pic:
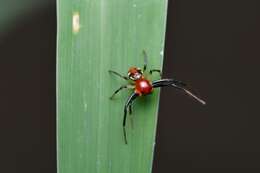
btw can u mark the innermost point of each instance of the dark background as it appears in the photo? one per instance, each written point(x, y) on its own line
point(215, 47)
point(212, 45)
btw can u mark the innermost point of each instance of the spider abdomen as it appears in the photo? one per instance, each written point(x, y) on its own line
point(143, 86)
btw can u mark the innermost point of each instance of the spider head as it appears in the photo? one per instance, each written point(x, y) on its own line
point(135, 73)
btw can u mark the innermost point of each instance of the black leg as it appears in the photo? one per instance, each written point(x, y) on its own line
point(130, 115)
point(114, 72)
point(167, 82)
point(155, 70)
point(119, 89)
point(175, 84)
point(130, 109)
point(129, 101)
point(190, 94)
point(145, 60)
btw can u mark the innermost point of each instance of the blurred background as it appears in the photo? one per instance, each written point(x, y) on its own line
point(211, 45)
point(27, 89)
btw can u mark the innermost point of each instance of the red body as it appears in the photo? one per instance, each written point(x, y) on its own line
point(143, 86)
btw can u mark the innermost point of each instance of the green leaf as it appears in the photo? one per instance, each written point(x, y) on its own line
point(95, 36)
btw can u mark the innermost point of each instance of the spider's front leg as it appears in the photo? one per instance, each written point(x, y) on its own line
point(119, 75)
point(145, 60)
point(156, 70)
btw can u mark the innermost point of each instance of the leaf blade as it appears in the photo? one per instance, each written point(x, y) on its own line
point(111, 35)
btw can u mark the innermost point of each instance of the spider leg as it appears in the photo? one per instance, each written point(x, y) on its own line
point(119, 89)
point(167, 82)
point(145, 60)
point(155, 70)
point(130, 115)
point(129, 101)
point(190, 94)
point(178, 85)
point(130, 109)
point(116, 73)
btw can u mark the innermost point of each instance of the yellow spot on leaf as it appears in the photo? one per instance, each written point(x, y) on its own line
point(75, 22)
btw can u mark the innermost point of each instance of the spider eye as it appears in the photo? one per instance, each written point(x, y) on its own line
point(140, 71)
point(135, 76)
point(135, 73)
point(132, 77)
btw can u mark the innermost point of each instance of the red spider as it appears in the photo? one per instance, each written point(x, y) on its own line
point(142, 86)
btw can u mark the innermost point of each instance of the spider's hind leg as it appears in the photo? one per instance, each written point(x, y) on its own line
point(178, 85)
point(121, 88)
point(129, 101)
point(168, 82)
point(131, 116)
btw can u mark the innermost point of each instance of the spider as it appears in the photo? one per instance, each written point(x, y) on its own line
point(142, 86)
